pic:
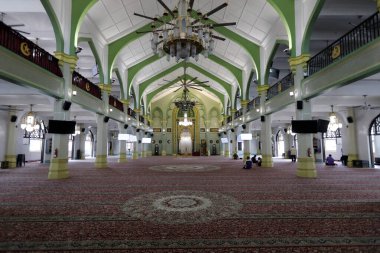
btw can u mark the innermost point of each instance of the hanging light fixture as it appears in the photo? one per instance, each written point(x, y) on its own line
point(184, 38)
point(334, 122)
point(185, 121)
point(30, 122)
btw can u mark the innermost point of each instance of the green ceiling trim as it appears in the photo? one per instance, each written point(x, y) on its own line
point(144, 85)
point(286, 10)
point(249, 83)
point(96, 56)
point(270, 59)
point(309, 28)
point(151, 95)
point(79, 10)
point(55, 23)
point(132, 71)
point(238, 73)
point(117, 72)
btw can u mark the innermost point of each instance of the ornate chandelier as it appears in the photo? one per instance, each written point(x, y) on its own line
point(30, 122)
point(185, 121)
point(334, 123)
point(184, 103)
point(183, 39)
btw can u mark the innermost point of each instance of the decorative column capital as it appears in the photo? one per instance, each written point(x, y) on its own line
point(65, 58)
point(125, 101)
point(137, 110)
point(105, 87)
point(298, 60)
point(262, 88)
point(244, 102)
point(233, 111)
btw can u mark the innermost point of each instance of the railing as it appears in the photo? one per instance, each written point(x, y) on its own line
point(20, 45)
point(253, 104)
point(131, 113)
point(116, 103)
point(361, 35)
point(282, 85)
point(86, 85)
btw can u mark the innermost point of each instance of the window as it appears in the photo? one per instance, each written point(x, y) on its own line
point(35, 145)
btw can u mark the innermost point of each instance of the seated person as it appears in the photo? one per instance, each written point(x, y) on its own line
point(248, 164)
point(253, 159)
point(330, 161)
point(259, 161)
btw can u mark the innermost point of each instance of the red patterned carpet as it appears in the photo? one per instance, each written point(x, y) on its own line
point(189, 206)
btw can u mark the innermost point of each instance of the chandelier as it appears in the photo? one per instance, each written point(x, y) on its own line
point(30, 122)
point(185, 121)
point(183, 39)
point(334, 123)
point(184, 103)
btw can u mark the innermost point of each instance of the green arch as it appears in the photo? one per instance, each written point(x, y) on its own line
point(79, 10)
point(151, 95)
point(272, 54)
point(55, 23)
point(95, 53)
point(235, 71)
point(312, 19)
point(117, 72)
point(144, 85)
point(286, 10)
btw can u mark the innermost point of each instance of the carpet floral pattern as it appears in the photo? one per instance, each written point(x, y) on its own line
point(182, 207)
point(132, 208)
point(185, 167)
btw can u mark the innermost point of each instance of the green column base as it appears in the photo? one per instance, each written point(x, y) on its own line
point(101, 161)
point(122, 158)
point(144, 154)
point(11, 160)
point(267, 161)
point(135, 155)
point(58, 168)
point(351, 157)
point(163, 153)
point(227, 154)
point(149, 153)
point(306, 167)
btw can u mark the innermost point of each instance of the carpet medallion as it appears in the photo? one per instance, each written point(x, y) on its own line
point(185, 168)
point(178, 207)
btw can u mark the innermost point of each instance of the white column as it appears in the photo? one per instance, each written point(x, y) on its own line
point(10, 154)
point(58, 164)
point(82, 142)
point(122, 145)
point(351, 146)
point(101, 142)
point(266, 141)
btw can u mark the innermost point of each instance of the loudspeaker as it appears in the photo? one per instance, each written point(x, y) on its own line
point(285, 130)
point(262, 118)
point(299, 105)
point(232, 130)
point(83, 129)
point(66, 105)
point(219, 134)
point(137, 130)
point(350, 119)
point(13, 118)
point(225, 132)
point(243, 126)
point(139, 141)
point(106, 119)
point(125, 126)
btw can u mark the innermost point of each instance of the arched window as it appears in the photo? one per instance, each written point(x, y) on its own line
point(374, 140)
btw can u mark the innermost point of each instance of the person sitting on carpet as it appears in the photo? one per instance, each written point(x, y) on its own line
point(248, 164)
point(253, 159)
point(259, 161)
point(330, 161)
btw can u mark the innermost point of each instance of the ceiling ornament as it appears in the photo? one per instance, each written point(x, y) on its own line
point(179, 36)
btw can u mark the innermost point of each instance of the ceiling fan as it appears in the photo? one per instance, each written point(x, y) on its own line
point(9, 108)
point(367, 106)
point(183, 82)
point(2, 15)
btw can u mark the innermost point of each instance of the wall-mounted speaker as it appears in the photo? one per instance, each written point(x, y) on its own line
point(106, 119)
point(151, 135)
point(350, 119)
point(285, 130)
point(137, 130)
point(66, 105)
point(219, 134)
point(243, 126)
point(139, 141)
point(13, 118)
point(299, 105)
point(125, 126)
point(262, 118)
point(232, 130)
point(83, 129)
point(225, 132)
